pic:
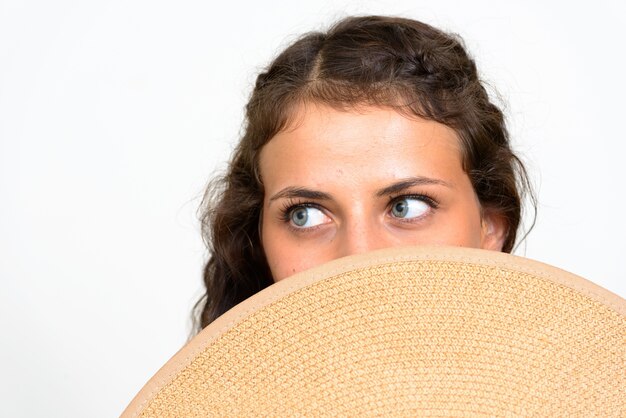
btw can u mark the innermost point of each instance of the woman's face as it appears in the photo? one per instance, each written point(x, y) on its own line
point(345, 182)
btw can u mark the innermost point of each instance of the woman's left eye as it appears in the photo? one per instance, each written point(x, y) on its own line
point(409, 208)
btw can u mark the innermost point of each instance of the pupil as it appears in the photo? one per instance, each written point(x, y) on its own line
point(300, 217)
point(400, 209)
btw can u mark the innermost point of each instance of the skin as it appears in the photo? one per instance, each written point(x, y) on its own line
point(345, 182)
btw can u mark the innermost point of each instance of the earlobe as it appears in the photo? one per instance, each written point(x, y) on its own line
point(494, 231)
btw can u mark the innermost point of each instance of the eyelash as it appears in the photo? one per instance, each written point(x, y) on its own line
point(291, 204)
point(426, 198)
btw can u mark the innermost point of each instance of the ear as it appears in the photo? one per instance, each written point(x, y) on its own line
point(494, 230)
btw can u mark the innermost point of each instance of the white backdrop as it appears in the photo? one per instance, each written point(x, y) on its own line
point(114, 114)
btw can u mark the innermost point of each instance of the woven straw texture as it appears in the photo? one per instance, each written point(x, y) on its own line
point(413, 337)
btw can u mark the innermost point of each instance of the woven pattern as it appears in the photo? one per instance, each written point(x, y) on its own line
point(426, 338)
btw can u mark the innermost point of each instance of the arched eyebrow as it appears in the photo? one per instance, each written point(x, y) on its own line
point(300, 192)
point(402, 185)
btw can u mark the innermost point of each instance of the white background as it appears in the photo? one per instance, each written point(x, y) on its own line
point(114, 114)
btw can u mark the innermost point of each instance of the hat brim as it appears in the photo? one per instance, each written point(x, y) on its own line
point(436, 331)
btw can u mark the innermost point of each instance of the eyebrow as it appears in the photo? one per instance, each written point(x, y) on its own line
point(304, 193)
point(411, 182)
point(301, 192)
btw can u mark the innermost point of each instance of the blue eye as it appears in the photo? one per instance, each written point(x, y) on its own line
point(408, 208)
point(306, 216)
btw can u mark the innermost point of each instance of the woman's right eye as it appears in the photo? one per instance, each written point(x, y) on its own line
point(307, 217)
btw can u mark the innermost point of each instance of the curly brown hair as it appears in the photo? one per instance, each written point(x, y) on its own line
point(373, 60)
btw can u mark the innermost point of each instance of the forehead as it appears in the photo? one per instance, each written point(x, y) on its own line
point(324, 146)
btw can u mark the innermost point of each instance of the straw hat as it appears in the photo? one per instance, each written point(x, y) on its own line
point(434, 331)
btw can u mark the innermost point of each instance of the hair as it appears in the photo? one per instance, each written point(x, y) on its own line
point(374, 60)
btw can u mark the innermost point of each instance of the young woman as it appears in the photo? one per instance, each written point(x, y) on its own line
point(374, 134)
